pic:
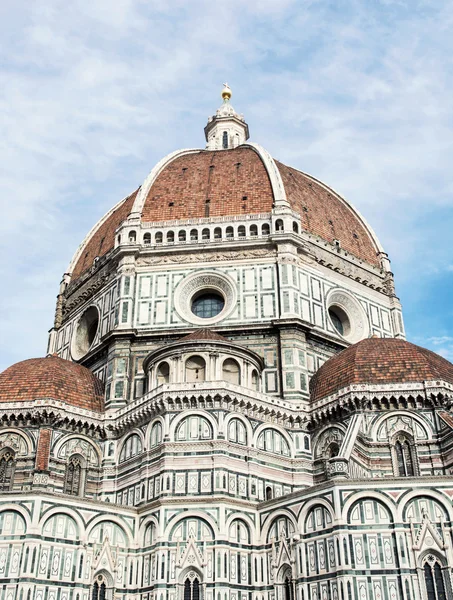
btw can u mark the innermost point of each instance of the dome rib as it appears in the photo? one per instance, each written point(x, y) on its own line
point(52, 378)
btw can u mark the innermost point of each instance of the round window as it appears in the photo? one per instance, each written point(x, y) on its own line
point(85, 332)
point(207, 305)
point(340, 320)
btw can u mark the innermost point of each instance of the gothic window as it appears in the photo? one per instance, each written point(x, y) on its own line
point(434, 580)
point(74, 475)
point(333, 450)
point(99, 591)
point(404, 457)
point(7, 465)
point(231, 371)
point(195, 369)
point(288, 589)
point(225, 139)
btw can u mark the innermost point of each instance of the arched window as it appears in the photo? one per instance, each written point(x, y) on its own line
point(99, 591)
point(333, 450)
point(205, 234)
point(159, 237)
point(288, 588)
point(279, 225)
point(194, 235)
point(132, 237)
point(73, 481)
point(272, 440)
point(7, 466)
point(404, 457)
point(170, 237)
point(253, 230)
point(147, 239)
point(268, 493)
point(237, 432)
point(295, 227)
point(241, 231)
point(434, 579)
point(131, 447)
point(163, 373)
point(229, 233)
point(225, 140)
point(217, 233)
point(265, 229)
point(231, 371)
point(255, 380)
point(156, 434)
point(182, 235)
point(195, 369)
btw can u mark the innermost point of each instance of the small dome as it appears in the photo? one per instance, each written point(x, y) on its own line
point(54, 378)
point(379, 361)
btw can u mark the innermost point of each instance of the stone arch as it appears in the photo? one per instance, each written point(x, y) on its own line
point(242, 517)
point(277, 428)
point(362, 497)
point(322, 439)
point(61, 535)
point(193, 413)
point(28, 440)
point(103, 576)
point(195, 514)
point(110, 519)
point(410, 495)
point(18, 511)
point(306, 509)
point(148, 522)
point(242, 523)
point(378, 422)
point(272, 517)
point(378, 496)
point(67, 511)
point(58, 445)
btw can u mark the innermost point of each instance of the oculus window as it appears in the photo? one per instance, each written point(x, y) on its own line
point(207, 305)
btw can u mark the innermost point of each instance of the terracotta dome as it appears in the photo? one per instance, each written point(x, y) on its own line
point(197, 184)
point(379, 361)
point(54, 378)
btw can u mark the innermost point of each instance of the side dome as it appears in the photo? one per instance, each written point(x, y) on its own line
point(377, 361)
point(52, 378)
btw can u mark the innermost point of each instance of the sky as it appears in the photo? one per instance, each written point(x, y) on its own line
point(357, 93)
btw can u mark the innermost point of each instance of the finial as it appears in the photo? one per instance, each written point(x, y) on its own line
point(226, 92)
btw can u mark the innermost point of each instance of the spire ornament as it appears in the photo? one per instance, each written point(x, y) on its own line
point(226, 129)
point(226, 92)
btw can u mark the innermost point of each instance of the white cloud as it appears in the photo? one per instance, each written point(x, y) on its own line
point(93, 94)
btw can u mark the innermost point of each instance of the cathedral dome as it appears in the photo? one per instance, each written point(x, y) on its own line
point(52, 378)
point(231, 179)
point(375, 361)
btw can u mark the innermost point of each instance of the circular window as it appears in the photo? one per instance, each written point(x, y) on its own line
point(85, 332)
point(205, 298)
point(340, 320)
point(347, 317)
point(207, 305)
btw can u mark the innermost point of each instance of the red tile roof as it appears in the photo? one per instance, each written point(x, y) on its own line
point(103, 239)
point(379, 361)
point(55, 378)
point(203, 335)
point(326, 215)
point(210, 184)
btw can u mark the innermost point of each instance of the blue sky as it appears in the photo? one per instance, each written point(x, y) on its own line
point(93, 94)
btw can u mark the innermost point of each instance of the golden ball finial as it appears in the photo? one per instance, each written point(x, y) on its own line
point(226, 92)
